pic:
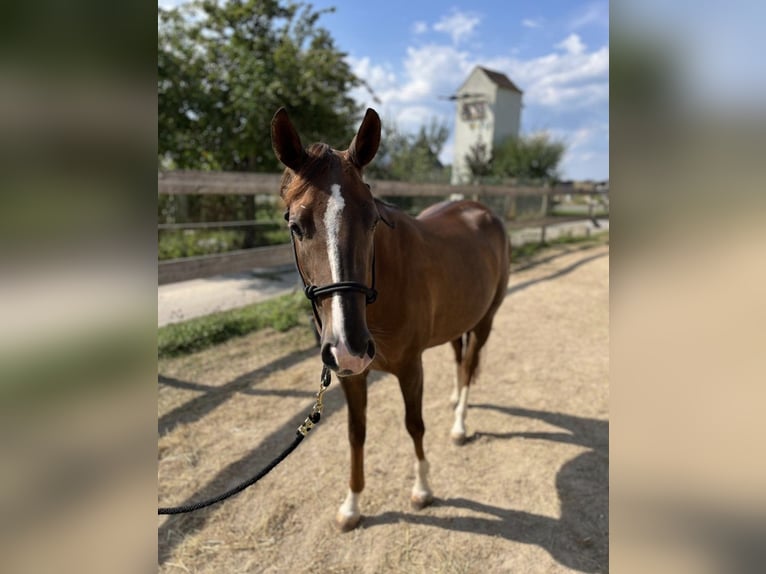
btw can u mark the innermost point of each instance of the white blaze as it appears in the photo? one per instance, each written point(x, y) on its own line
point(332, 220)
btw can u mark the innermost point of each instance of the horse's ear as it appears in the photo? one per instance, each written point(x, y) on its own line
point(384, 210)
point(365, 144)
point(286, 141)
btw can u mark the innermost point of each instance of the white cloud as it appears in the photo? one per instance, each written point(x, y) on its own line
point(432, 70)
point(530, 23)
point(379, 77)
point(572, 44)
point(428, 73)
point(584, 137)
point(596, 13)
point(412, 117)
point(573, 77)
point(459, 25)
point(420, 27)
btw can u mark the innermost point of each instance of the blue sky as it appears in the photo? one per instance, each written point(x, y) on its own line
point(415, 53)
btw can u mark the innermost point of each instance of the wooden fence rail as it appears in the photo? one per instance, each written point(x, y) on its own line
point(233, 183)
point(228, 183)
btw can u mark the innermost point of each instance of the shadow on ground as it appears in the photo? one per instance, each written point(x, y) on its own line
point(213, 397)
point(556, 274)
point(579, 538)
point(179, 526)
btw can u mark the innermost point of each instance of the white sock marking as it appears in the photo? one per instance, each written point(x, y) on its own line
point(335, 205)
point(421, 488)
point(458, 428)
point(455, 391)
point(350, 506)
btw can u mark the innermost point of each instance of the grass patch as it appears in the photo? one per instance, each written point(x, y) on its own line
point(280, 313)
point(564, 212)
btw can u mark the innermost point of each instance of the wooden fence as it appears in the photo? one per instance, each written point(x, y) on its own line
point(227, 183)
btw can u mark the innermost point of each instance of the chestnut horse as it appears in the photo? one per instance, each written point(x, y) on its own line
point(382, 294)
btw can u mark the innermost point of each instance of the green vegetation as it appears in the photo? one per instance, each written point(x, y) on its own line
point(531, 159)
point(191, 242)
point(281, 313)
point(187, 243)
point(190, 208)
point(522, 253)
point(225, 67)
point(411, 157)
point(598, 211)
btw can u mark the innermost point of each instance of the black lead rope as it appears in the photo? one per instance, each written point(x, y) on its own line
point(313, 292)
point(303, 430)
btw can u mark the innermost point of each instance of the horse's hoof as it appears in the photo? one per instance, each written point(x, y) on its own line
point(421, 500)
point(458, 439)
point(347, 523)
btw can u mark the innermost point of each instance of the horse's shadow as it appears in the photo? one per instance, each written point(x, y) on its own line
point(577, 539)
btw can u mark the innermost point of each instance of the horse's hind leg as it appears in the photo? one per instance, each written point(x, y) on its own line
point(411, 384)
point(476, 339)
point(457, 346)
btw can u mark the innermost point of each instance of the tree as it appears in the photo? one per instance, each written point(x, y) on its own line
point(479, 160)
point(533, 158)
point(225, 67)
point(410, 157)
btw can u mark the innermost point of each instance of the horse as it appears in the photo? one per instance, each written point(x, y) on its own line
point(386, 286)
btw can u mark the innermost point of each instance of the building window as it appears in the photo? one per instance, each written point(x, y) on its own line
point(473, 111)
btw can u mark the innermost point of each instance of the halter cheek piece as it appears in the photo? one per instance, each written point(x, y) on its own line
point(314, 292)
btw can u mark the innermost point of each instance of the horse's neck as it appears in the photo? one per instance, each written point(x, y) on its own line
point(405, 231)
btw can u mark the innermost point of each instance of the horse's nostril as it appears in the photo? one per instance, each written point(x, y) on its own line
point(328, 357)
point(371, 349)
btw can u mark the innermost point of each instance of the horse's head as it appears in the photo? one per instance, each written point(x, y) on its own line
point(332, 217)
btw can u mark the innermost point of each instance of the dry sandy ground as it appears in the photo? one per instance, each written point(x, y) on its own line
point(527, 493)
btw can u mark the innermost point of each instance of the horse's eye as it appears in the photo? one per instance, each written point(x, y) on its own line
point(295, 230)
point(287, 215)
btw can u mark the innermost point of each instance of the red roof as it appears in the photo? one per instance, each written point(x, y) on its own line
point(500, 80)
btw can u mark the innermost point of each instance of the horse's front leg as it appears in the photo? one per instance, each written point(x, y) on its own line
point(411, 384)
point(355, 389)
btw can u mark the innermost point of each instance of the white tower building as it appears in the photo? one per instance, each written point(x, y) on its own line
point(488, 111)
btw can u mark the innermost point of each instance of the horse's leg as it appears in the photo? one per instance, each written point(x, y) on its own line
point(355, 389)
point(466, 371)
point(411, 385)
point(457, 346)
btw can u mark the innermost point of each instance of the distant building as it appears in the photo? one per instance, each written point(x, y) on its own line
point(488, 111)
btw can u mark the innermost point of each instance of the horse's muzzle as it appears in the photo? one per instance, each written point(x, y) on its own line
point(344, 361)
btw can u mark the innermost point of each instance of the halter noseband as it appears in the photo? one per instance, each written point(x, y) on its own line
point(314, 292)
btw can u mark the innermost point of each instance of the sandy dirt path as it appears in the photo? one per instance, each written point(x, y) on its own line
point(527, 493)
